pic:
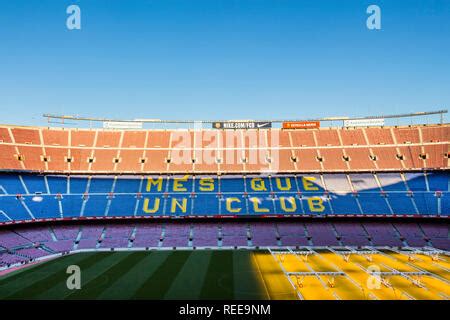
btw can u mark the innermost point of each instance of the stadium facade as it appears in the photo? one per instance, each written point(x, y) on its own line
point(68, 189)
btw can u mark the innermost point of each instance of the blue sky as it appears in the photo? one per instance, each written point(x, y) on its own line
point(211, 59)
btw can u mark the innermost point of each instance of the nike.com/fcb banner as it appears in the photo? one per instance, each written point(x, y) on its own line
point(242, 125)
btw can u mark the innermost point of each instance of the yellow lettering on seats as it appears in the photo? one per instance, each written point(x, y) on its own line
point(291, 201)
point(315, 204)
point(155, 205)
point(229, 202)
point(256, 207)
point(287, 187)
point(158, 182)
point(175, 203)
point(177, 184)
point(258, 184)
point(308, 185)
point(206, 184)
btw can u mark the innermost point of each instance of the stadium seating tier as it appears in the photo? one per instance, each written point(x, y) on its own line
point(33, 197)
point(22, 244)
point(209, 151)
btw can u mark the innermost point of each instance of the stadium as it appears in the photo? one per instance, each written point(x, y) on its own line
point(334, 208)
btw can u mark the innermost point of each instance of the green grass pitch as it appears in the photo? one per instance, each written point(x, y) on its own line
point(201, 274)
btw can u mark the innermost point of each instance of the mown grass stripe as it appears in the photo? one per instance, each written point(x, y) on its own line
point(96, 286)
point(156, 286)
point(218, 282)
point(246, 284)
point(12, 276)
point(129, 283)
point(18, 287)
point(95, 272)
point(188, 282)
point(88, 270)
point(142, 275)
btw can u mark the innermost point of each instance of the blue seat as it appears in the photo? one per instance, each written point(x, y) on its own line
point(3, 217)
point(206, 184)
point(43, 206)
point(34, 183)
point(284, 184)
point(288, 203)
point(310, 183)
point(151, 205)
point(373, 203)
point(128, 185)
point(316, 203)
point(78, 184)
point(232, 184)
point(416, 181)
point(206, 204)
point(178, 204)
point(445, 204)
point(71, 205)
point(257, 184)
point(10, 184)
point(260, 204)
point(101, 185)
point(122, 205)
point(344, 204)
point(237, 202)
point(95, 206)
point(438, 181)
point(401, 203)
point(181, 184)
point(154, 184)
point(14, 208)
point(426, 203)
point(57, 184)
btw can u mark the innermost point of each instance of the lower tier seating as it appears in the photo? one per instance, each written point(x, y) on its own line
point(20, 244)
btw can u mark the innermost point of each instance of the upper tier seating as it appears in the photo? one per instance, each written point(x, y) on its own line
point(33, 197)
point(213, 151)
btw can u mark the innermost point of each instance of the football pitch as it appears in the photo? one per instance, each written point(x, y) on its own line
point(141, 275)
point(236, 274)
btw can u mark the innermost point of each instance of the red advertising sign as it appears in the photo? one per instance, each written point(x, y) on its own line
point(301, 124)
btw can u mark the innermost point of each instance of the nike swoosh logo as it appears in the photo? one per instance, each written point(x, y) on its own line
point(260, 125)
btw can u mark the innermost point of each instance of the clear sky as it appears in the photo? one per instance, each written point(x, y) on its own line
point(222, 59)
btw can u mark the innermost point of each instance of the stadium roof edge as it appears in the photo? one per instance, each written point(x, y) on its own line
point(339, 118)
point(6, 125)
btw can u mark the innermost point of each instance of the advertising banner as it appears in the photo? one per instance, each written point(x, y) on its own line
point(242, 125)
point(122, 125)
point(364, 123)
point(301, 124)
